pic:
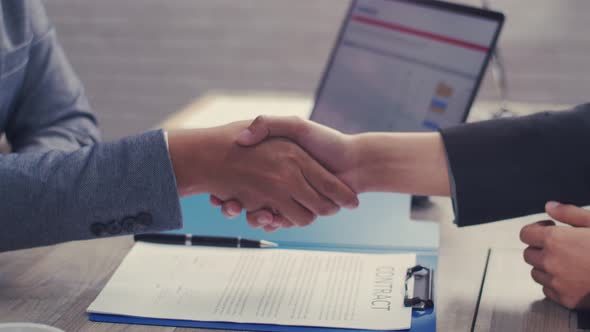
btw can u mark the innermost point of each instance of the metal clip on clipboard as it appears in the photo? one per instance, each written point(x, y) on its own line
point(423, 297)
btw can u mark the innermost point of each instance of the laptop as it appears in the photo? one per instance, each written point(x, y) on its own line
point(405, 65)
point(397, 66)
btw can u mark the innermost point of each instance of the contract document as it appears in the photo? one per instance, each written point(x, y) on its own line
point(260, 286)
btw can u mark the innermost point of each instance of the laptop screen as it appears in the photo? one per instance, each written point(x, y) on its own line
point(402, 65)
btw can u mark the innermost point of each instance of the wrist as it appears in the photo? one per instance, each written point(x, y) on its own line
point(400, 162)
point(193, 154)
point(365, 169)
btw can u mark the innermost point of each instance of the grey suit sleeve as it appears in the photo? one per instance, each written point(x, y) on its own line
point(60, 184)
point(511, 167)
point(104, 189)
point(51, 110)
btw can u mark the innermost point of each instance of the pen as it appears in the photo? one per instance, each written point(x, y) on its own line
point(194, 240)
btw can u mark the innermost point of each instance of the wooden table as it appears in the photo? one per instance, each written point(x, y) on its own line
point(54, 285)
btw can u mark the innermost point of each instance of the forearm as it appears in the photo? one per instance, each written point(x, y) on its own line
point(508, 168)
point(105, 189)
point(400, 162)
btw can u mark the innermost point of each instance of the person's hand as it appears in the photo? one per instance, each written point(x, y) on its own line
point(331, 148)
point(208, 160)
point(560, 255)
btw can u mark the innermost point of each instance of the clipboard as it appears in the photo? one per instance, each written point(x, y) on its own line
point(422, 297)
point(423, 318)
point(376, 211)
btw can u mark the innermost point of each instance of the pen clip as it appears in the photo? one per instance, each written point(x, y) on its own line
point(423, 297)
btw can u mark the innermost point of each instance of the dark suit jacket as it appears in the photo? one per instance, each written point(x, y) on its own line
point(511, 167)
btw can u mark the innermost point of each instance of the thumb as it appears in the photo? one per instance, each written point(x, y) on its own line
point(568, 214)
point(265, 126)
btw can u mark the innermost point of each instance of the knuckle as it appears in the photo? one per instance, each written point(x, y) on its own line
point(280, 178)
point(301, 126)
point(549, 265)
point(551, 239)
point(523, 234)
point(293, 156)
point(555, 284)
point(352, 200)
point(283, 222)
point(544, 263)
point(330, 187)
point(255, 216)
point(250, 216)
point(568, 301)
point(226, 214)
point(306, 221)
point(253, 223)
point(260, 120)
point(225, 210)
point(527, 255)
point(296, 122)
point(291, 153)
point(327, 209)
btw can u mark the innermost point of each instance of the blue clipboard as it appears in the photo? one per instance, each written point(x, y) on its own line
point(381, 223)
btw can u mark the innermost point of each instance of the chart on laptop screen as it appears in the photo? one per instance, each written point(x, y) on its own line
point(404, 66)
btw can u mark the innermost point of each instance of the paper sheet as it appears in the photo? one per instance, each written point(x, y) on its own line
point(285, 287)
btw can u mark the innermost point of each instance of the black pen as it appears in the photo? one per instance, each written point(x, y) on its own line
point(213, 241)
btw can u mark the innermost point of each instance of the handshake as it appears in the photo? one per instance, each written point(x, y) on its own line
point(284, 171)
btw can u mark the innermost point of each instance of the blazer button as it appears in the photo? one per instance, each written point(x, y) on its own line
point(127, 224)
point(144, 219)
point(113, 228)
point(97, 229)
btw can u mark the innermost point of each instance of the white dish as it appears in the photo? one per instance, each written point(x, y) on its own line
point(27, 327)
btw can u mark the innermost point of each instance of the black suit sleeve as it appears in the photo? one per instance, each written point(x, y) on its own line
point(508, 168)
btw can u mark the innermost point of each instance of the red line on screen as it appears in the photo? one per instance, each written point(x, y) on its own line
point(420, 33)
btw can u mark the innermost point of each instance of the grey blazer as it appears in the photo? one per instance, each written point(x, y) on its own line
point(60, 184)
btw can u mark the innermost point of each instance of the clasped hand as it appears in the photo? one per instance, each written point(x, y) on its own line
point(332, 149)
point(559, 255)
point(276, 176)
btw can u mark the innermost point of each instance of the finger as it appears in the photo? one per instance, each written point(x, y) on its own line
point(551, 293)
point(534, 257)
point(231, 209)
point(296, 213)
point(569, 214)
point(535, 234)
point(315, 202)
point(265, 126)
point(541, 277)
point(215, 201)
point(271, 228)
point(283, 222)
point(261, 217)
point(253, 223)
point(264, 217)
point(329, 186)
